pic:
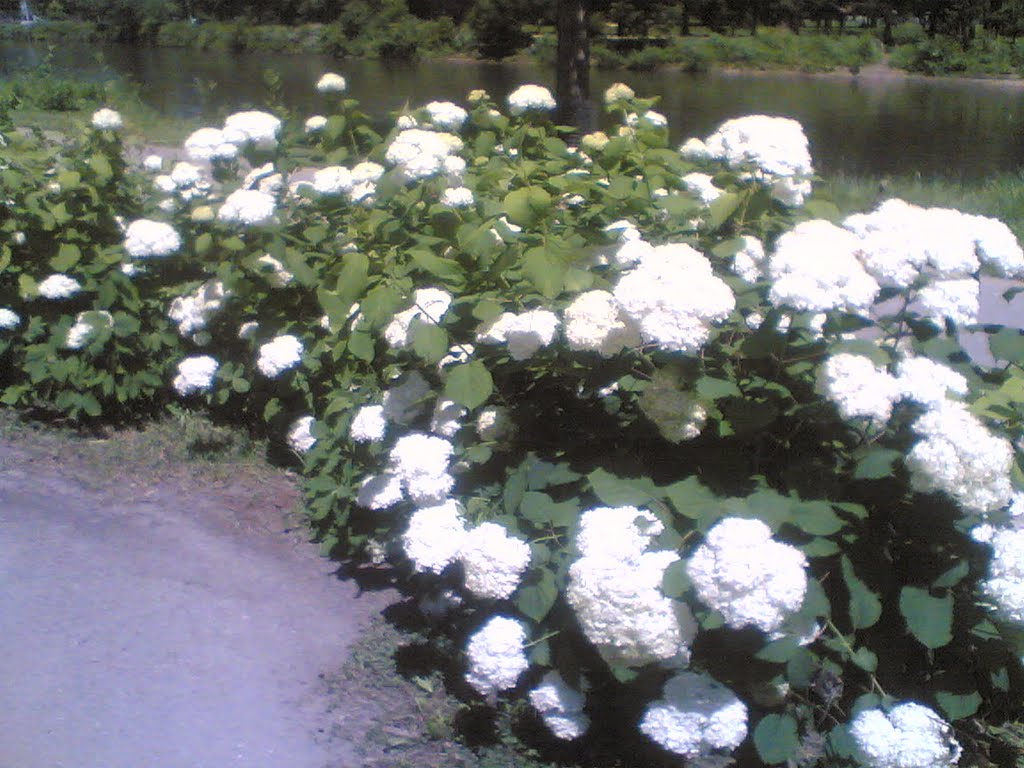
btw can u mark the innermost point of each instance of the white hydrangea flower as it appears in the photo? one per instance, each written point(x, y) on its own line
point(379, 492)
point(997, 246)
point(492, 561)
point(300, 436)
point(330, 82)
point(420, 461)
point(447, 417)
point(153, 162)
point(106, 119)
point(617, 92)
point(632, 251)
point(748, 262)
point(86, 325)
point(858, 387)
point(259, 128)
point(264, 178)
point(928, 382)
point(959, 456)
point(434, 536)
point(195, 374)
point(431, 303)
point(528, 332)
point(594, 142)
point(530, 98)
point(165, 183)
point(694, 148)
point(674, 297)
point(248, 330)
point(248, 207)
point(191, 313)
point(418, 153)
point(454, 168)
point(458, 353)
point(497, 655)
point(146, 239)
point(186, 175)
point(956, 300)
point(678, 415)
point(700, 184)
point(615, 590)
point(746, 576)
point(368, 425)
point(909, 735)
point(58, 286)
point(457, 197)
point(594, 322)
point(210, 144)
point(446, 115)
point(404, 402)
point(650, 117)
point(560, 706)
point(815, 268)
point(9, 319)
point(494, 423)
point(333, 180)
point(273, 271)
point(1005, 583)
point(494, 331)
point(696, 717)
point(315, 124)
point(776, 145)
point(405, 122)
point(278, 355)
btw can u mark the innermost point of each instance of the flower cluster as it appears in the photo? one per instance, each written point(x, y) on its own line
point(530, 98)
point(907, 736)
point(560, 706)
point(697, 717)
point(195, 374)
point(146, 239)
point(496, 655)
point(278, 355)
point(86, 326)
point(1005, 583)
point(191, 313)
point(417, 153)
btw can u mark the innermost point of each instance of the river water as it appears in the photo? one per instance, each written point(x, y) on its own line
point(863, 124)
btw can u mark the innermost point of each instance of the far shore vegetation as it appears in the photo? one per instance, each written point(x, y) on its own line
point(933, 37)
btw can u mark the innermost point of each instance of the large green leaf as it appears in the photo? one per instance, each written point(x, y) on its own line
point(865, 607)
point(536, 599)
point(621, 491)
point(876, 463)
point(527, 205)
point(352, 280)
point(929, 619)
point(545, 270)
point(469, 384)
point(958, 706)
point(429, 340)
point(67, 256)
point(776, 738)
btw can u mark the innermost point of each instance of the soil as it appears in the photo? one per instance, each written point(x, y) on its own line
point(163, 613)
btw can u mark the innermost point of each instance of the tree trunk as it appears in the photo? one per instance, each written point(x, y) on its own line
point(573, 66)
point(684, 27)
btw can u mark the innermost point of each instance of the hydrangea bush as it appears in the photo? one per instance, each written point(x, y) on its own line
point(689, 466)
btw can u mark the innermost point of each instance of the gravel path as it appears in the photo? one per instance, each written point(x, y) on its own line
point(161, 623)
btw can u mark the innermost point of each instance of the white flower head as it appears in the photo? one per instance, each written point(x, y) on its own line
point(87, 324)
point(457, 197)
point(492, 561)
point(259, 128)
point(617, 92)
point(749, 578)
point(560, 706)
point(248, 207)
point(909, 735)
point(776, 145)
point(195, 374)
point(446, 115)
point(368, 425)
point(300, 436)
point(430, 304)
point(9, 319)
point(700, 185)
point(928, 382)
point(594, 322)
point(679, 415)
point(494, 423)
point(379, 492)
point(331, 83)
point(417, 153)
point(153, 163)
point(1005, 583)
point(420, 461)
point(186, 175)
point(696, 717)
point(497, 655)
point(279, 355)
point(210, 144)
point(148, 239)
point(858, 387)
point(530, 331)
point(315, 124)
point(434, 536)
point(333, 180)
point(530, 98)
point(447, 418)
point(59, 286)
point(107, 119)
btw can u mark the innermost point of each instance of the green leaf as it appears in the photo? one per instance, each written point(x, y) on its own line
point(469, 384)
point(866, 659)
point(958, 706)
point(815, 517)
point(67, 256)
point(203, 243)
point(953, 576)
point(621, 491)
point(780, 651)
point(776, 738)
point(361, 345)
point(722, 208)
point(352, 280)
point(526, 206)
point(929, 619)
point(446, 269)
point(865, 607)
point(541, 509)
point(876, 463)
point(536, 599)
point(316, 233)
point(1007, 344)
point(691, 498)
point(715, 389)
point(822, 209)
point(675, 582)
point(545, 270)
point(429, 340)
point(101, 167)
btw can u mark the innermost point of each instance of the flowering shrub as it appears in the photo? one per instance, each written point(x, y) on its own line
point(685, 460)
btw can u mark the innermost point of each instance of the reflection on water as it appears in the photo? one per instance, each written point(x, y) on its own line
point(856, 125)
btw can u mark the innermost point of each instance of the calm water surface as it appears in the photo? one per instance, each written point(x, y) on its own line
point(856, 125)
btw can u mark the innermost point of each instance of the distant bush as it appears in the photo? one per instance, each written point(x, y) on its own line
point(499, 33)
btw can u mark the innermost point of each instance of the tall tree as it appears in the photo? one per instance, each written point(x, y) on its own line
point(572, 87)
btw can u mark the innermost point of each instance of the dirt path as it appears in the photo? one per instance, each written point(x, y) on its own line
point(149, 617)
